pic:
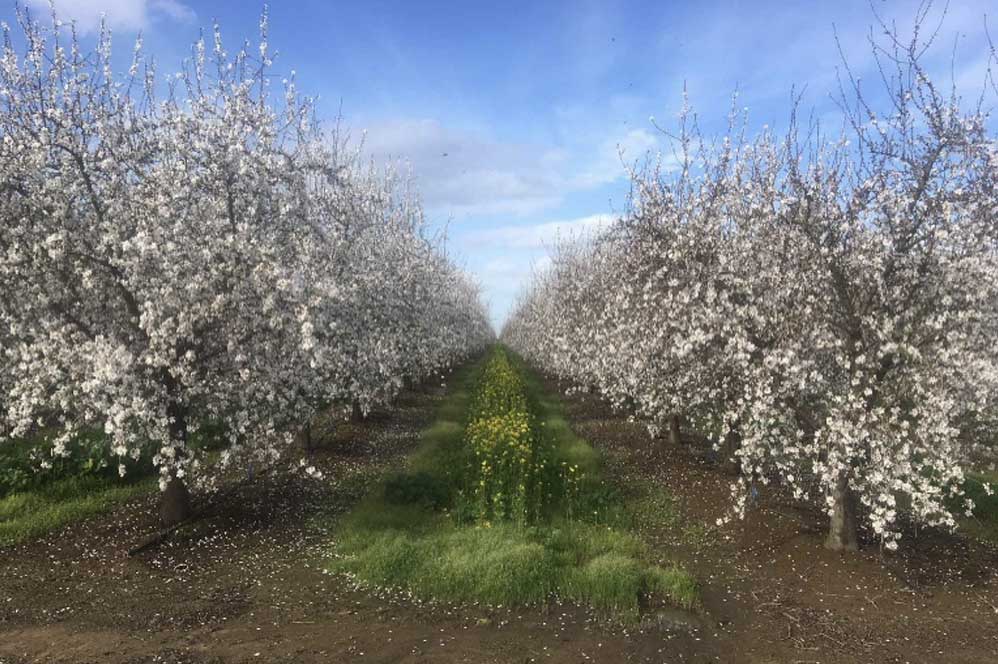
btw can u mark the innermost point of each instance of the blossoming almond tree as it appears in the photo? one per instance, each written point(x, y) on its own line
point(896, 244)
point(824, 308)
point(168, 264)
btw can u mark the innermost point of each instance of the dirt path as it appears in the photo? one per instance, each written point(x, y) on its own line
point(244, 586)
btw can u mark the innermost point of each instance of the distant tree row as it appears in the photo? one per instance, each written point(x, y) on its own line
point(208, 258)
point(826, 311)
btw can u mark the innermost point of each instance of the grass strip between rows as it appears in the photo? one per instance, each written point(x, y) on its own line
point(422, 530)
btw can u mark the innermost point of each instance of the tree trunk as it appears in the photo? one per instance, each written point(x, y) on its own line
point(842, 531)
point(356, 414)
point(730, 463)
point(675, 435)
point(305, 437)
point(175, 503)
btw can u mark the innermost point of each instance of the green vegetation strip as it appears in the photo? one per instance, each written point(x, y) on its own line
point(503, 505)
point(32, 513)
point(982, 524)
point(37, 498)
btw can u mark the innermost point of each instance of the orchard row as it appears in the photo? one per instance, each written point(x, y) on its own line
point(825, 311)
point(193, 251)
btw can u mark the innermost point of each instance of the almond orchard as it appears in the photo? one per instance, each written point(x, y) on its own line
point(254, 408)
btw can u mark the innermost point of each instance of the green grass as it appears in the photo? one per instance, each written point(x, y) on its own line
point(29, 514)
point(433, 556)
point(88, 454)
point(396, 539)
point(983, 524)
point(985, 506)
point(652, 508)
point(85, 482)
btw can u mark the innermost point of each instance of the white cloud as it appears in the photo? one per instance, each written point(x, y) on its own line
point(614, 156)
point(504, 278)
point(807, 55)
point(467, 173)
point(130, 15)
point(178, 11)
point(464, 172)
point(538, 236)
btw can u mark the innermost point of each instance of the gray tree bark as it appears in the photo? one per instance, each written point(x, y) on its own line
point(675, 433)
point(842, 526)
point(730, 463)
point(304, 437)
point(175, 503)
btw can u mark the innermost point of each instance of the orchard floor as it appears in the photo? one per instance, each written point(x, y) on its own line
point(771, 590)
point(245, 584)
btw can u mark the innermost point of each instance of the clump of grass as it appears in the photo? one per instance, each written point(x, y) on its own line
point(492, 565)
point(419, 488)
point(28, 514)
point(87, 454)
point(409, 548)
point(676, 584)
point(38, 498)
point(985, 502)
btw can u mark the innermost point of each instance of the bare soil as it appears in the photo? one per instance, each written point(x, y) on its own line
point(245, 584)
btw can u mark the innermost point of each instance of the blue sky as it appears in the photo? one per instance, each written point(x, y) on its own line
point(514, 114)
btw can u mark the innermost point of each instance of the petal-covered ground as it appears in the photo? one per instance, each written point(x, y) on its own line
point(245, 585)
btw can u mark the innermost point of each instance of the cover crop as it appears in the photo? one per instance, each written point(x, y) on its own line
point(514, 472)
